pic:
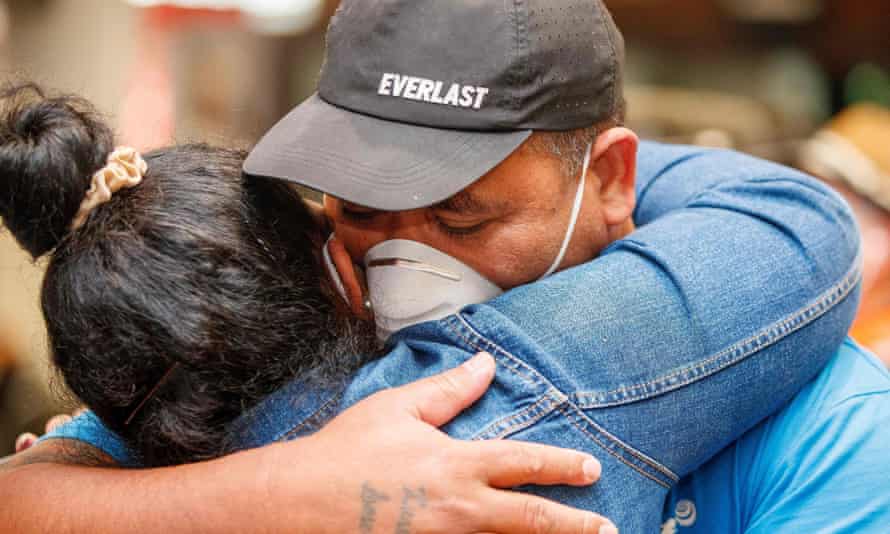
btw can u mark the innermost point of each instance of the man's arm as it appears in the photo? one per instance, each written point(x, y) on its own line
point(738, 287)
point(405, 476)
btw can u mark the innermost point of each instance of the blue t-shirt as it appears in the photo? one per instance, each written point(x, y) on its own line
point(820, 465)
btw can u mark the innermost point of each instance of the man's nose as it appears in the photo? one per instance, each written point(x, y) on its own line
point(403, 224)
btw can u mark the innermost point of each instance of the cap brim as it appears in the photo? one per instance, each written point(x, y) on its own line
point(373, 162)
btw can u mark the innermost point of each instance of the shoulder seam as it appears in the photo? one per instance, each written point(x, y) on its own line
point(623, 452)
point(731, 355)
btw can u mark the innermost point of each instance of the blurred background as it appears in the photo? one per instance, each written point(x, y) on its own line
point(803, 82)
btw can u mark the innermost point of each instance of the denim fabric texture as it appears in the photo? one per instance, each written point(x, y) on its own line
point(738, 287)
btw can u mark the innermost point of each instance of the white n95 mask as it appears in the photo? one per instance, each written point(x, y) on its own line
point(411, 283)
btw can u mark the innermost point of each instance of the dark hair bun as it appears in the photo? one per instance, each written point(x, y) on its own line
point(49, 149)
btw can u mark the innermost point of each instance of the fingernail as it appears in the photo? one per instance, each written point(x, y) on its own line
point(608, 529)
point(57, 421)
point(25, 441)
point(592, 469)
point(478, 363)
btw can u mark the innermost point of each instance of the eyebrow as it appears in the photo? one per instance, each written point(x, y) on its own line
point(466, 202)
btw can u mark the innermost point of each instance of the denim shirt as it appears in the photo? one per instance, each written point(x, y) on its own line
point(737, 288)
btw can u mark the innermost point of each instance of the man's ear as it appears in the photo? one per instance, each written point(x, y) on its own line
point(352, 284)
point(614, 161)
point(317, 211)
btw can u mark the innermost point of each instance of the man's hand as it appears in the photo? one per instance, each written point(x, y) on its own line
point(382, 466)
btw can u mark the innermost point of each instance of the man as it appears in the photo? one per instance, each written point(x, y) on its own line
point(491, 198)
point(683, 259)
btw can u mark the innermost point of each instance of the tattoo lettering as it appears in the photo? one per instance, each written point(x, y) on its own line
point(370, 498)
point(417, 498)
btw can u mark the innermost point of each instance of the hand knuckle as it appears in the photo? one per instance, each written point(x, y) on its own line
point(453, 510)
point(591, 525)
point(448, 386)
point(536, 464)
point(532, 465)
point(458, 465)
point(538, 517)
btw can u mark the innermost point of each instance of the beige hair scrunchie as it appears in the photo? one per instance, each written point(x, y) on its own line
point(124, 170)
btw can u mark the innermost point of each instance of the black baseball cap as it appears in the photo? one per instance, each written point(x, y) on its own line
point(418, 99)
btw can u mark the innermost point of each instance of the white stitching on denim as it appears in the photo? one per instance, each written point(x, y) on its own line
point(498, 350)
point(323, 411)
point(521, 420)
point(770, 334)
point(610, 451)
point(639, 455)
point(515, 365)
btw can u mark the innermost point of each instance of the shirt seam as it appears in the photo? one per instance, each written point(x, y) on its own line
point(513, 364)
point(522, 419)
point(323, 411)
point(640, 469)
point(478, 342)
point(732, 355)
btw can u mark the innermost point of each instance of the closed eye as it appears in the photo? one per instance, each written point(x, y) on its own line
point(458, 229)
point(358, 213)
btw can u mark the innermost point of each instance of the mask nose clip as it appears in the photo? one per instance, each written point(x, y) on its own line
point(418, 266)
point(411, 283)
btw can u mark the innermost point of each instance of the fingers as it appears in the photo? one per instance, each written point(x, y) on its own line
point(25, 442)
point(438, 399)
point(508, 464)
point(517, 513)
point(56, 422)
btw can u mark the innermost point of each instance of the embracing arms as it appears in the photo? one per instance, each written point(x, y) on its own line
point(739, 265)
point(405, 473)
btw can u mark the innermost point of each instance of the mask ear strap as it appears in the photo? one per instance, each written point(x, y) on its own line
point(332, 269)
point(576, 210)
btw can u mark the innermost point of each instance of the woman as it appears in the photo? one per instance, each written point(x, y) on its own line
point(190, 295)
point(254, 269)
